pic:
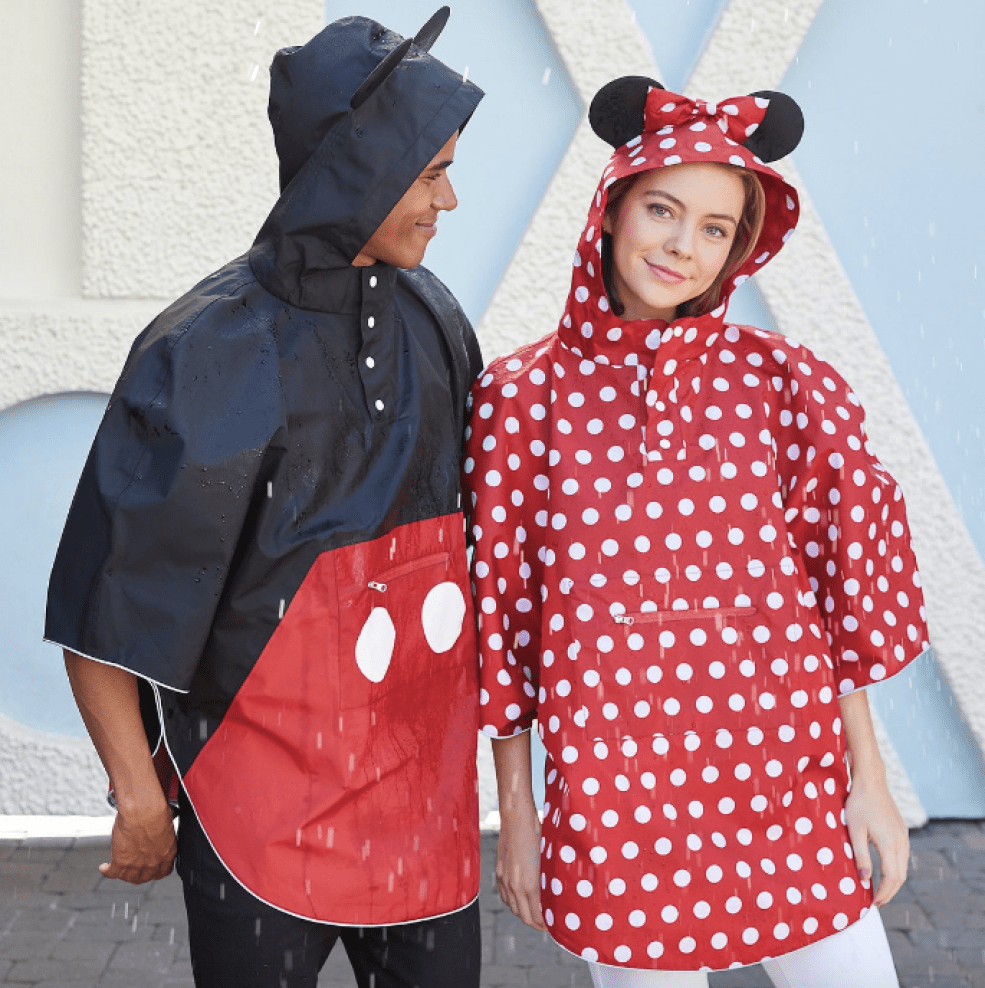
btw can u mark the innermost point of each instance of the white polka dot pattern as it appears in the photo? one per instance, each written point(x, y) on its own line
point(684, 552)
point(683, 643)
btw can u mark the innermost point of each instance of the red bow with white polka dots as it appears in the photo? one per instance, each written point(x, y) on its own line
point(737, 118)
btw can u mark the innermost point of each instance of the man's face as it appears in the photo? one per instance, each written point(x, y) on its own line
point(403, 237)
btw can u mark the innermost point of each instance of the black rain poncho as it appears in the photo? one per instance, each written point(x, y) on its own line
point(268, 527)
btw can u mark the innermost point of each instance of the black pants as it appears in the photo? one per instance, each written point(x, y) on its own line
point(236, 941)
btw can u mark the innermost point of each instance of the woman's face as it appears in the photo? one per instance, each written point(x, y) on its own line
point(671, 236)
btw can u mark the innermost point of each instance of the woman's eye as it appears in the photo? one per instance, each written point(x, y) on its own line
point(717, 231)
point(659, 209)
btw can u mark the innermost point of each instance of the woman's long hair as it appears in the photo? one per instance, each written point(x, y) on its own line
point(746, 235)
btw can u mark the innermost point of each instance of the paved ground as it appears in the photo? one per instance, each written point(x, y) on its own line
point(64, 926)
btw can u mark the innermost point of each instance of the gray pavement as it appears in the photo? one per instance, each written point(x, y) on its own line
point(62, 925)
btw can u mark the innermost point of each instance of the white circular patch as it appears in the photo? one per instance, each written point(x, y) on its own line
point(374, 646)
point(442, 616)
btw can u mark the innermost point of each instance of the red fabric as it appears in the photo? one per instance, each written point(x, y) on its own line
point(736, 118)
point(685, 549)
point(369, 814)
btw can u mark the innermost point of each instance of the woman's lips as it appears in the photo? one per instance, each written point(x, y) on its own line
point(665, 274)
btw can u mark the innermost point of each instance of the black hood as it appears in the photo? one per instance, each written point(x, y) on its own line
point(342, 169)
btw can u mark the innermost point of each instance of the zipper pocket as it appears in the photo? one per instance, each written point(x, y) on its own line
point(379, 584)
point(663, 617)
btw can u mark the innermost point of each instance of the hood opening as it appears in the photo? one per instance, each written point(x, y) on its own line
point(343, 170)
point(678, 131)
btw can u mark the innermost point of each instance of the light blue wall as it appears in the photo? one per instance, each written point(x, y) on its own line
point(43, 446)
point(894, 160)
point(932, 739)
point(512, 146)
point(747, 307)
point(678, 32)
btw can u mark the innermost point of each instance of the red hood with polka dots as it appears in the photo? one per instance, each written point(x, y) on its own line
point(677, 131)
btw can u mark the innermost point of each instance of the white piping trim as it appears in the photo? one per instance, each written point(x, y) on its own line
point(260, 898)
point(115, 665)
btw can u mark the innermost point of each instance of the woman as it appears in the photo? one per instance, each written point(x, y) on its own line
point(687, 565)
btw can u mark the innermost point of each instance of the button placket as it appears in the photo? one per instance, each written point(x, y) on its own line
point(663, 429)
point(374, 320)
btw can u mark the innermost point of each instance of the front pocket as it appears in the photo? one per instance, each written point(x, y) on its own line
point(380, 582)
point(665, 616)
point(395, 627)
point(697, 671)
point(671, 672)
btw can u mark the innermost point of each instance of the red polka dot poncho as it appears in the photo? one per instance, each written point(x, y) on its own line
point(685, 550)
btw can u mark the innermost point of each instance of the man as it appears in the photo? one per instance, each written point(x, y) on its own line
point(265, 555)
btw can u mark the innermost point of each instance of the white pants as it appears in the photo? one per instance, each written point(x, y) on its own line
point(858, 955)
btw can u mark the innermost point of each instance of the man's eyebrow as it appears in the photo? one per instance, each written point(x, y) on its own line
point(440, 166)
point(677, 202)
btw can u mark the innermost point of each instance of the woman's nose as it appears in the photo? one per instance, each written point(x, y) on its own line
point(681, 241)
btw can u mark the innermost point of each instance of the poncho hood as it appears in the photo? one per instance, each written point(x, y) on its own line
point(357, 113)
point(652, 128)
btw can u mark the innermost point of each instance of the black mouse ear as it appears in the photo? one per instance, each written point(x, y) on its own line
point(375, 79)
point(428, 34)
point(618, 109)
point(780, 130)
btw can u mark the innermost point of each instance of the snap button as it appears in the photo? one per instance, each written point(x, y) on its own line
point(370, 362)
point(379, 405)
point(371, 322)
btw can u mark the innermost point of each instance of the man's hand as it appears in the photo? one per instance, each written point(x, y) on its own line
point(143, 845)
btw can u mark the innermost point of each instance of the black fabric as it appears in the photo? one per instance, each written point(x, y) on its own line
point(312, 86)
point(618, 108)
point(368, 156)
point(375, 79)
point(780, 130)
point(431, 31)
point(236, 941)
point(244, 437)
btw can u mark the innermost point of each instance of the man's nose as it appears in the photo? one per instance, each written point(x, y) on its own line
point(444, 194)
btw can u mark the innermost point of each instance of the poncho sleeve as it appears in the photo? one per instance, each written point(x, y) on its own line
point(506, 502)
point(153, 528)
point(847, 520)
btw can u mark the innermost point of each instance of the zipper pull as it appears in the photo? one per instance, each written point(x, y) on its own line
point(623, 619)
point(373, 585)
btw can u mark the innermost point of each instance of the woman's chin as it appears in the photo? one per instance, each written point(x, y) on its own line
point(665, 311)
